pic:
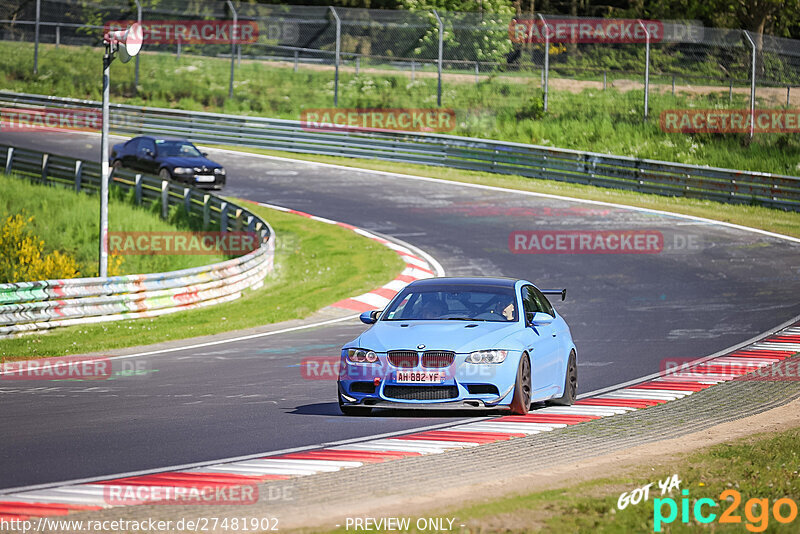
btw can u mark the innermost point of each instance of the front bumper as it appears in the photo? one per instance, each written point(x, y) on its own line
point(465, 386)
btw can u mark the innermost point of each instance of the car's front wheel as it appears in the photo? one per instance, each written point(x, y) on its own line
point(164, 174)
point(521, 402)
point(570, 383)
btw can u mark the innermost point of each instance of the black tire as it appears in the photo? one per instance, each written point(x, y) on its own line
point(354, 410)
point(117, 165)
point(521, 403)
point(164, 174)
point(570, 384)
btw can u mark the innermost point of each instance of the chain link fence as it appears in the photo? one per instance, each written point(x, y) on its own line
point(718, 67)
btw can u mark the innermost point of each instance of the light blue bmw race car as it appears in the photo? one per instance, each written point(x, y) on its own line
point(456, 343)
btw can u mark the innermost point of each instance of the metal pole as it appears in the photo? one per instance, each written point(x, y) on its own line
point(58, 35)
point(605, 79)
point(234, 33)
point(338, 51)
point(752, 85)
point(136, 68)
point(546, 71)
point(788, 90)
point(477, 70)
point(358, 64)
point(178, 53)
point(107, 58)
point(647, 69)
point(413, 69)
point(36, 38)
point(296, 54)
point(439, 64)
point(673, 85)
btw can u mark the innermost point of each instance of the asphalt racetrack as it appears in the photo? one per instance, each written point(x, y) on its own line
point(699, 289)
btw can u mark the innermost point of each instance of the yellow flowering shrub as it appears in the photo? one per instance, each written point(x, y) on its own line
point(22, 257)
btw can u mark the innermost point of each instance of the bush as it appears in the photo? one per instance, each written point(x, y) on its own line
point(533, 108)
point(22, 258)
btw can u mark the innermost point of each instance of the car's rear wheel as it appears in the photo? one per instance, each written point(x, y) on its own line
point(353, 410)
point(570, 383)
point(521, 402)
point(117, 165)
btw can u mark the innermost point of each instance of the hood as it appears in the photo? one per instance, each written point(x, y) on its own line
point(457, 336)
point(178, 161)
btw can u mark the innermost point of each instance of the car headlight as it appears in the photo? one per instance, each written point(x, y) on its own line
point(182, 170)
point(487, 356)
point(219, 171)
point(361, 356)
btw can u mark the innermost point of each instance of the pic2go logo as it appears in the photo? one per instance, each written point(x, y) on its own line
point(756, 511)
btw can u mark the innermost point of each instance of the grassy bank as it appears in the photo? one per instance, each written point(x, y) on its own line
point(602, 121)
point(762, 467)
point(771, 220)
point(69, 222)
point(316, 264)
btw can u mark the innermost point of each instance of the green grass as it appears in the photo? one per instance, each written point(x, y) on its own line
point(764, 466)
point(602, 121)
point(69, 222)
point(771, 220)
point(317, 264)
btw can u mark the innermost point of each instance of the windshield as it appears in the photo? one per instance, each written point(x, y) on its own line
point(465, 303)
point(182, 149)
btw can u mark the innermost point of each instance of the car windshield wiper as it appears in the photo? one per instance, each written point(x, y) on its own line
point(464, 319)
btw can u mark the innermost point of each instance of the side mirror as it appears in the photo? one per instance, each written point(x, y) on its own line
point(205, 154)
point(370, 317)
point(539, 318)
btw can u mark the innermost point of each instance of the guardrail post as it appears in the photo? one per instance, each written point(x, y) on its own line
point(9, 159)
point(439, 61)
point(338, 50)
point(546, 70)
point(647, 68)
point(164, 199)
point(234, 33)
point(752, 84)
point(78, 175)
point(206, 211)
point(36, 37)
point(251, 224)
point(187, 200)
point(237, 220)
point(45, 162)
point(137, 188)
point(223, 217)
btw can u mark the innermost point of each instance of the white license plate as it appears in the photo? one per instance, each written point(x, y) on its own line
point(204, 178)
point(420, 377)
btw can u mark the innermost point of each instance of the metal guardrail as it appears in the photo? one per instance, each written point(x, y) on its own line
point(31, 306)
point(642, 175)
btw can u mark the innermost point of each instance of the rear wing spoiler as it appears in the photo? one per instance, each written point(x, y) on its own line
point(562, 292)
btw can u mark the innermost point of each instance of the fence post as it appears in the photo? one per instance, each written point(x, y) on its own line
point(58, 35)
point(136, 67)
point(439, 63)
point(223, 217)
point(164, 199)
point(752, 84)
point(605, 73)
point(178, 53)
point(9, 159)
point(296, 54)
point(45, 162)
point(647, 69)
point(234, 33)
point(358, 64)
point(78, 175)
point(137, 188)
point(338, 51)
point(546, 71)
point(206, 211)
point(413, 70)
point(187, 200)
point(477, 71)
point(673, 85)
point(36, 37)
point(788, 89)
